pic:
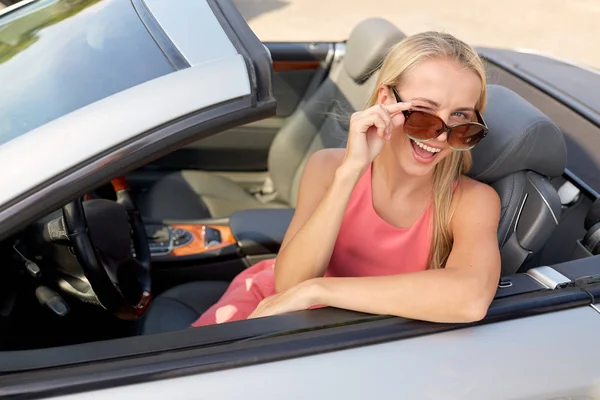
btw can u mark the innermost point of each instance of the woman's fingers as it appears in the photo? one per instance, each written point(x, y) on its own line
point(387, 113)
point(382, 112)
point(396, 107)
point(395, 112)
point(382, 117)
point(373, 120)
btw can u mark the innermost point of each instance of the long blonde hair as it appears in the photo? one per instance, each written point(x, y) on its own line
point(401, 58)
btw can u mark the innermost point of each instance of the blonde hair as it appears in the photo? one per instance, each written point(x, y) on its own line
point(400, 59)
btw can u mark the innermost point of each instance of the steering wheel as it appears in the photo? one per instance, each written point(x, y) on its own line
point(110, 244)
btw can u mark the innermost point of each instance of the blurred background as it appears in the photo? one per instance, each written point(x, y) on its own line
point(565, 29)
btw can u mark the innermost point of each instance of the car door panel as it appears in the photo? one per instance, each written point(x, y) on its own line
point(489, 361)
point(299, 68)
point(242, 149)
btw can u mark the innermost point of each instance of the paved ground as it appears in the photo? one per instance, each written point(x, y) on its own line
point(567, 29)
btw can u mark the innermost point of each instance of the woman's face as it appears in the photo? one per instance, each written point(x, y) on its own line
point(442, 87)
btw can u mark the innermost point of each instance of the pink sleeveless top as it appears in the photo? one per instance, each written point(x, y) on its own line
point(367, 245)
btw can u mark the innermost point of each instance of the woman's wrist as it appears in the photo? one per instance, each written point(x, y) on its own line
point(349, 173)
point(312, 292)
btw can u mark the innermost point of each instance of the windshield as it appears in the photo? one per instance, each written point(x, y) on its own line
point(59, 55)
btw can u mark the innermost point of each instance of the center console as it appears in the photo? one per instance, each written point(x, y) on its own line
point(187, 239)
point(250, 234)
point(214, 249)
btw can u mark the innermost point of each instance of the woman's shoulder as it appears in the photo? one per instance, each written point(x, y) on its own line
point(476, 190)
point(328, 158)
point(474, 199)
point(323, 163)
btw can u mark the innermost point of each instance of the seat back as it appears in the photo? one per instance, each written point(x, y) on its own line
point(522, 151)
point(322, 120)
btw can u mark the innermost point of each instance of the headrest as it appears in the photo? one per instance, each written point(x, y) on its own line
point(520, 138)
point(367, 45)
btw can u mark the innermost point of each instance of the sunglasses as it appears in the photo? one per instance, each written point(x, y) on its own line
point(422, 126)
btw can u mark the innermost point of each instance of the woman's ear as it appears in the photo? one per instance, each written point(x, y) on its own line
point(384, 95)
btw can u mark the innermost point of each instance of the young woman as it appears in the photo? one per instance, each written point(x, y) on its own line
point(390, 224)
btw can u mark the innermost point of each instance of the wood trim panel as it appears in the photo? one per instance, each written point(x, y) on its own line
point(280, 66)
point(120, 183)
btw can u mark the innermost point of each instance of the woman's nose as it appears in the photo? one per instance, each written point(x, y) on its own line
point(443, 137)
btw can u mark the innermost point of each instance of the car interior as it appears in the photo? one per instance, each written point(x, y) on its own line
point(167, 238)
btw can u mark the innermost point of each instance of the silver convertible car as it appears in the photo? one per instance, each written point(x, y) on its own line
point(151, 151)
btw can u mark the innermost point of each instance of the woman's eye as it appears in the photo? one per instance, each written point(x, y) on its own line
point(423, 108)
point(461, 115)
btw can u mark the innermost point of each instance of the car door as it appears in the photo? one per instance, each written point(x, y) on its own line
point(147, 70)
point(531, 358)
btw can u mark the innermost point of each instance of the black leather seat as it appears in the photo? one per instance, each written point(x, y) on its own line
point(178, 307)
point(522, 151)
point(191, 194)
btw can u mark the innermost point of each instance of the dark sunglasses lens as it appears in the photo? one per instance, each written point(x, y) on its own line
point(422, 126)
point(465, 136)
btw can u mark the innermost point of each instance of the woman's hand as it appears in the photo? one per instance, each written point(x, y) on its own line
point(370, 129)
point(297, 298)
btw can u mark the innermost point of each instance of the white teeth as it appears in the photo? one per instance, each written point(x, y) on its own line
point(429, 149)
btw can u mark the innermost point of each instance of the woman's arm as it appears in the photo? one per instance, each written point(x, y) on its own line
point(323, 195)
point(461, 292)
point(327, 182)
